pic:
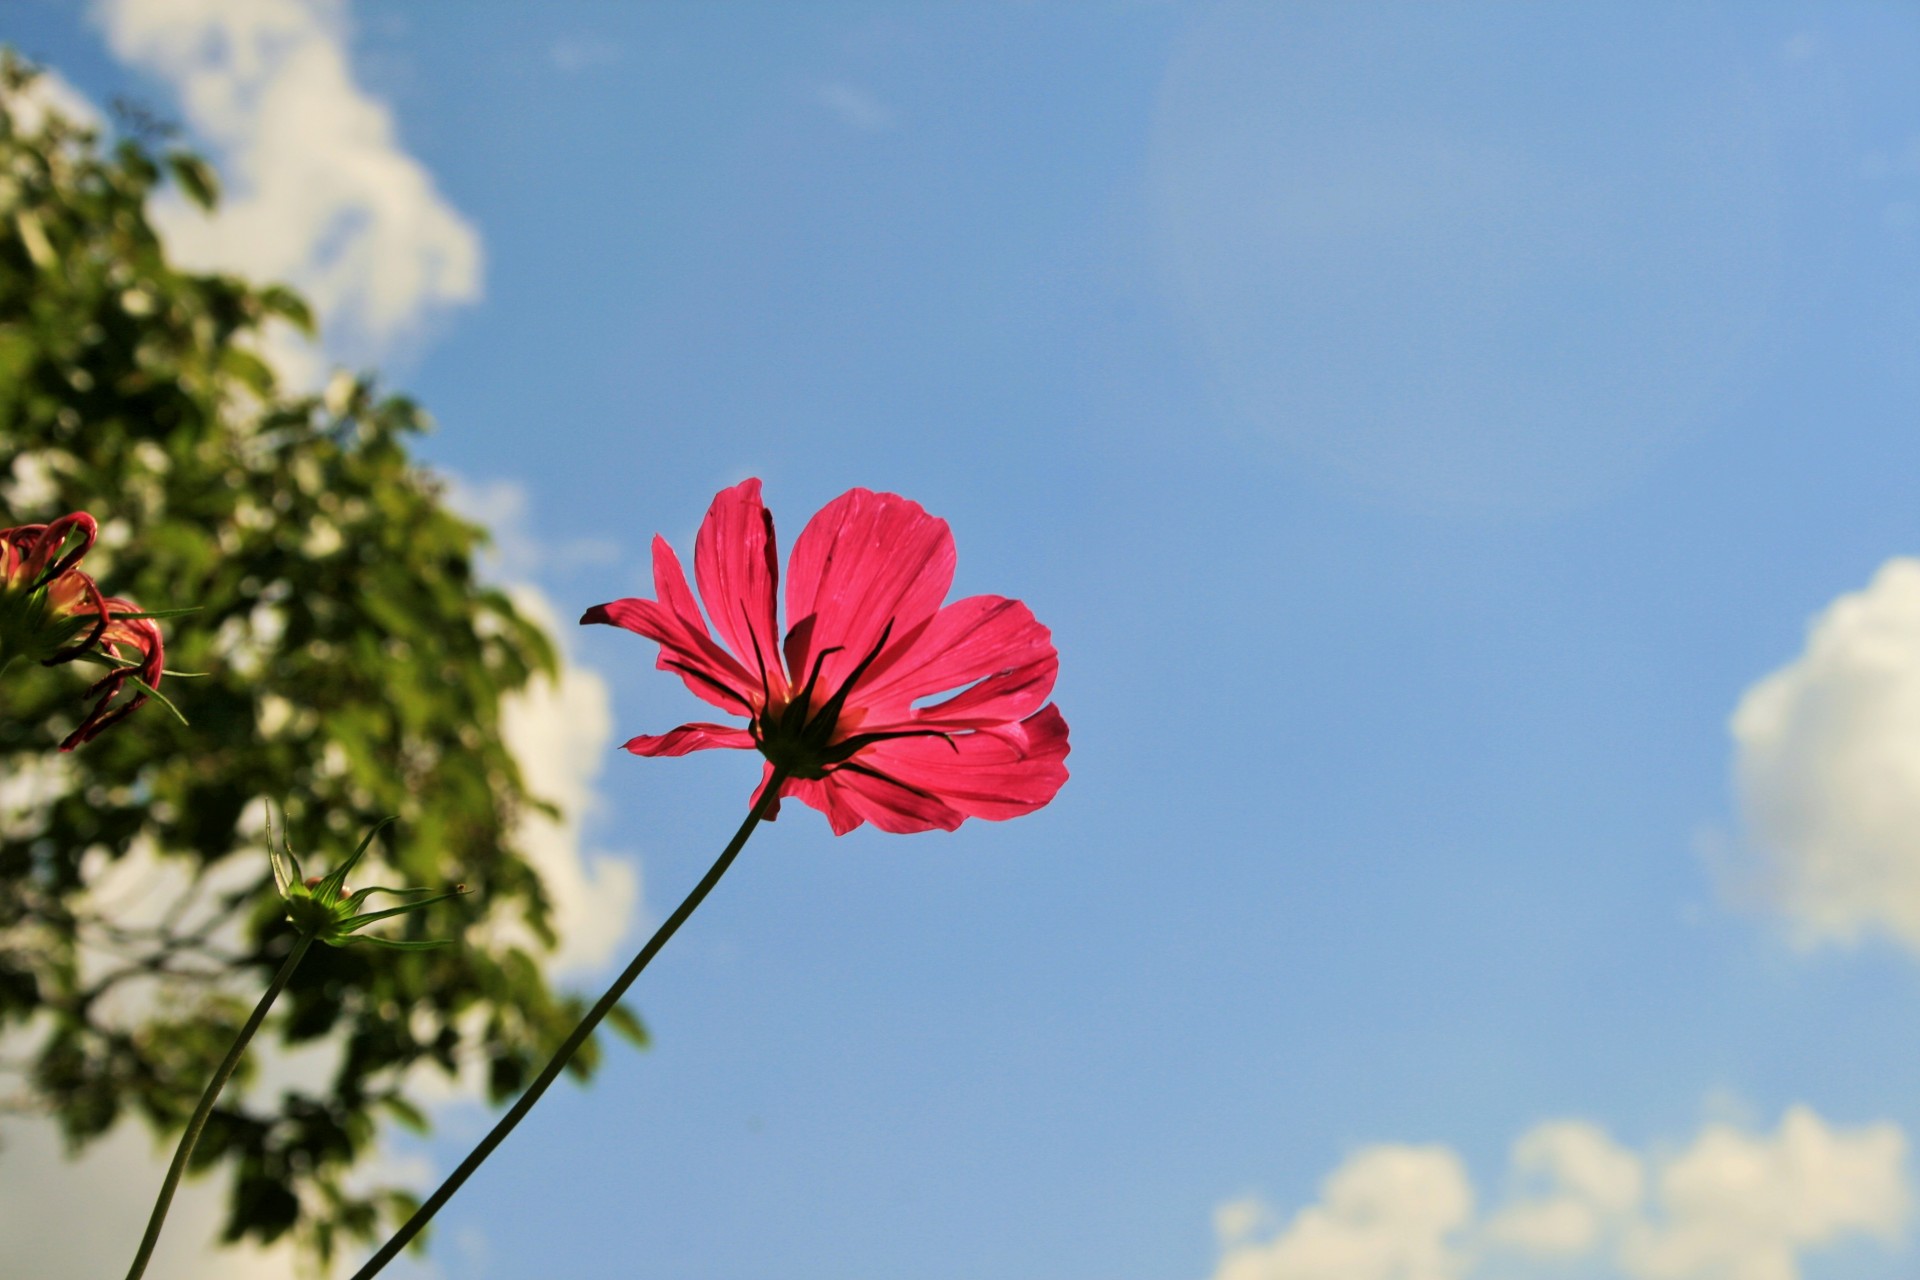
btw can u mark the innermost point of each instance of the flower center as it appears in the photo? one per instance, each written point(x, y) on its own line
point(803, 741)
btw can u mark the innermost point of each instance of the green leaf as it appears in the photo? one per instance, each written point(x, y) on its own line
point(627, 1023)
point(347, 688)
point(278, 300)
point(406, 1113)
point(196, 179)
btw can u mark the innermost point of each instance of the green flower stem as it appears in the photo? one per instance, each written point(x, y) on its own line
point(576, 1038)
point(200, 1113)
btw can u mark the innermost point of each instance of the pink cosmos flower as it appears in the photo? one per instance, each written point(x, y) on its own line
point(835, 705)
point(51, 612)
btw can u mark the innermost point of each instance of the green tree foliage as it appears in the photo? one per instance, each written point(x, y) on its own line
point(354, 668)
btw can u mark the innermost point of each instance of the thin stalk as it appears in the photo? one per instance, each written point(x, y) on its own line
point(575, 1039)
point(200, 1113)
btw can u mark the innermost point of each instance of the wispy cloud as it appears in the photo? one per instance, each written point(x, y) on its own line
point(572, 54)
point(1560, 298)
point(855, 107)
point(320, 191)
point(503, 507)
point(1731, 1205)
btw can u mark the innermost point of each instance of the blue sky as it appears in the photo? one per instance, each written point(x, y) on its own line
point(1423, 427)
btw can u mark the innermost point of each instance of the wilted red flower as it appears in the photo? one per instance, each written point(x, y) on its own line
point(869, 639)
point(51, 612)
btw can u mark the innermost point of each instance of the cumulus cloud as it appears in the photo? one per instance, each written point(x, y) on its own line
point(1732, 1205)
point(1738, 1206)
point(118, 1176)
point(1827, 768)
point(116, 1181)
point(319, 190)
point(319, 193)
point(560, 732)
point(49, 91)
point(1388, 1213)
point(1583, 1184)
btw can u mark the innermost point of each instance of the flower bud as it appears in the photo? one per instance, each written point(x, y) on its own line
point(324, 907)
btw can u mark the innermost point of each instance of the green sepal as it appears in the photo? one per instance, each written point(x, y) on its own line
point(360, 896)
point(157, 614)
point(157, 696)
point(286, 867)
point(349, 925)
point(336, 880)
point(325, 910)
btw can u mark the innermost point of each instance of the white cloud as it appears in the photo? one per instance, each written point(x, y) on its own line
point(560, 732)
point(319, 193)
point(1388, 1213)
point(1732, 1205)
point(118, 1176)
point(855, 107)
point(116, 1179)
point(1741, 1207)
point(319, 190)
point(1827, 766)
point(49, 1238)
point(51, 91)
point(1585, 1184)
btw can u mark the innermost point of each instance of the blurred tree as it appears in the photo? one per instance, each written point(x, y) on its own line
point(354, 667)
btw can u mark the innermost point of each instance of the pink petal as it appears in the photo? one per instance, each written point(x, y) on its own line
point(865, 561)
point(998, 773)
point(689, 737)
point(674, 623)
point(766, 776)
point(970, 640)
point(736, 565)
point(53, 538)
point(818, 794)
point(886, 803)
point(1003, 698)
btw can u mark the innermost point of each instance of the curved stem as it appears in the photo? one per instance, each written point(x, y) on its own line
point(200, 1113)
point(401, 1238)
